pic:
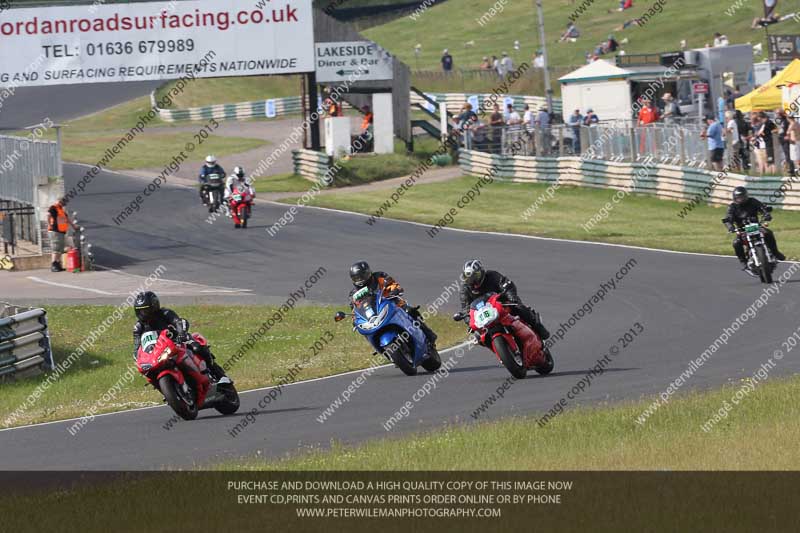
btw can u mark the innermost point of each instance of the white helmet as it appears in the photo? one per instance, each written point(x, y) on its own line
point(239, 172)
point(211, 160)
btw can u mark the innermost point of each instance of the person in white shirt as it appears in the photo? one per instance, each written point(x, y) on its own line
point(508, 65)
point(513, 117)
point(720, 39)
point(732, 129)
point(538, 61)
point(528, 119)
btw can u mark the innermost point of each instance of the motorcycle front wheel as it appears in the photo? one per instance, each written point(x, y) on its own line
point(399, 354)
point(764, 272)
point(513, 363)
point(169, 388)
point(434, 362)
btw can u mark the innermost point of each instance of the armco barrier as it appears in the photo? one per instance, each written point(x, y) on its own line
point(24, 342)
point(293, 105)
point(663, 181)
point(311, 164)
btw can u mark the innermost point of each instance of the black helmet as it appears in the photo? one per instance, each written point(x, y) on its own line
point(473, 273)
point(146, 306)
point(740, 195)
point(360, 273)
point(238, 172)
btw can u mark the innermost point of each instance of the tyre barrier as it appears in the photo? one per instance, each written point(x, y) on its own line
point(669, 182)
point(24, 342)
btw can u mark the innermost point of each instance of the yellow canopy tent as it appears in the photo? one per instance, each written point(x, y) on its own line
point(769, 96)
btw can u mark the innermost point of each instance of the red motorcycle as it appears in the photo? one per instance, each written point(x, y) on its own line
point(180, 375)
point(241, 202)
point(514, 343)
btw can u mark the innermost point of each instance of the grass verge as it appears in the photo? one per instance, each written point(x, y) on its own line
point(87, 139)
point(639, 220)
point(82, 386)
point(282, 183)
point(606, 438)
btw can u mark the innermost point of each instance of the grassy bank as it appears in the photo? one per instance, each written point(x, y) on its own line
point(227, 328)
point(594, 439)
point(87, 139)
point(637, 220)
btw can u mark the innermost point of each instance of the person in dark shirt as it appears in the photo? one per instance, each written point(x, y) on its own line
point(447, 61)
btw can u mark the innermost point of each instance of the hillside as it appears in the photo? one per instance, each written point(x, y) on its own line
point(452, 24)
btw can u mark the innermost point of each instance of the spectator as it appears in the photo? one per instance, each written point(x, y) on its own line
point(496, 123)
point(770, 16)
point(496, 65)
point(508, 65)
point(766, 132)
point(538, 60)
point(486, 64)
point(58, 223)
point(716, 146)
point(570, 34)
point(480, 141)
point(543, 124)
point(732, 130)
point(500, 67)
point(671, 109)
point(333, 108)
point(575, 121)
point(794, 142)
point(513, 118)
point(648, 114)
point(783, 138)
point(528, 118)
point(745, 131)
point(591, 118)
point(447, 61)
point(467, 116)
point(625, 4)
point(759, 144)
point(611, 45)
point(720, 39)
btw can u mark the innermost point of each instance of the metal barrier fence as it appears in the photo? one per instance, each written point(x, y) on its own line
point(23, 163)
point(18, 222)
point(24, 342)
point(666, 143)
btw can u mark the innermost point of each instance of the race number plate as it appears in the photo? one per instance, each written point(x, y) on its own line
point(149, 340)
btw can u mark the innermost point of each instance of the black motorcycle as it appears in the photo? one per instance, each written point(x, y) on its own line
point(212, 191)
point(760, 260)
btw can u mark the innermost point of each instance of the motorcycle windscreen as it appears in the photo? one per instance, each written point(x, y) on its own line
point(145, 358)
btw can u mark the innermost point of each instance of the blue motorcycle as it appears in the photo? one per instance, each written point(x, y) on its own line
point(391, 331)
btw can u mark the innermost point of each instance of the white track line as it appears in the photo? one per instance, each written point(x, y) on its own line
point(504, 234)
point(457, 346)
point(68, 286)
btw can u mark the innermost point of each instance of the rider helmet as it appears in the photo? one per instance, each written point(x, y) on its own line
point(360, 273)
point(146, 306)
point(238, 172)
point(740, 195)
point(473, 273)
point(211, 161)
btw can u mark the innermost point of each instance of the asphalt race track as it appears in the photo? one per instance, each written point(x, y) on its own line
point(683, 301)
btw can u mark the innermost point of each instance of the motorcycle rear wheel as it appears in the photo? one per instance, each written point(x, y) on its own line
point(764, 271)
point(230, 404)
point(399, 355)
point(169, 388)
point(515, 367)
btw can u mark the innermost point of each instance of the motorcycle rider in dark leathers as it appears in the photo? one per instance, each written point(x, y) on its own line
point(477, 281)
point(211, 167)
point(152, 317)
point(744, 210)
point(362, 276)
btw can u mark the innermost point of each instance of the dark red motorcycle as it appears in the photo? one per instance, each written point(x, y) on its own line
point(181, 376)
point(241, 203)
point(514, 343)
